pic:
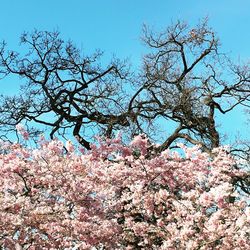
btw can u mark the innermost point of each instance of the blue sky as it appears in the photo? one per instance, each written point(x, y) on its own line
point(115, 26)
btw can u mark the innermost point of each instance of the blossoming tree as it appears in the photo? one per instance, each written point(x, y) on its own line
point(120, 197)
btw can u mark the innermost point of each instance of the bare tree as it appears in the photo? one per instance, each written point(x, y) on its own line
point(188, 81)
point(184, 81)
point(63, 89)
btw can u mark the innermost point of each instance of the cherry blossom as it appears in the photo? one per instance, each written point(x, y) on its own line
point(120, 197)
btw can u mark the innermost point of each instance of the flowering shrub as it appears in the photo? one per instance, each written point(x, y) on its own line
point(118, 197)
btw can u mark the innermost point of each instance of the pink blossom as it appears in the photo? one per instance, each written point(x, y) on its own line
point(21, 130)
point(115, 198)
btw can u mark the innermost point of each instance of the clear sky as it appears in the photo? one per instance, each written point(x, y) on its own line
point(115, 26)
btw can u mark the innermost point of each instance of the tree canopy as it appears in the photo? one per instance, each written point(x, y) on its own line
point(115, 197)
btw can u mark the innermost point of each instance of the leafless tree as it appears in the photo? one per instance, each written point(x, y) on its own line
point(184, 81)
point(63, 89)
point(188, 81)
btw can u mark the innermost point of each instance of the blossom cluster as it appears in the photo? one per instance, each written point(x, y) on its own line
point(120, 197)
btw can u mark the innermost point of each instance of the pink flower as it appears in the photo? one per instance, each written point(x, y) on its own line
point(111, 198)
point(21, 130)
point(70, 147)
